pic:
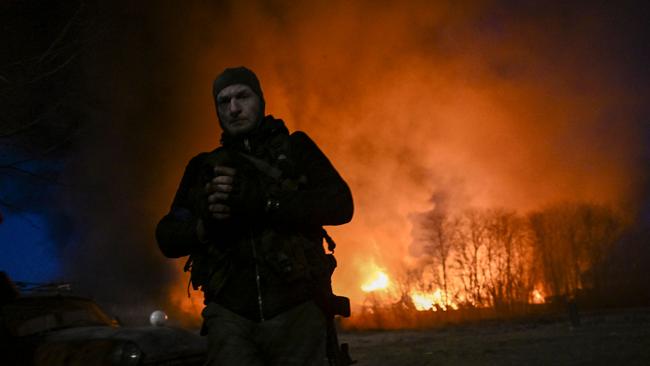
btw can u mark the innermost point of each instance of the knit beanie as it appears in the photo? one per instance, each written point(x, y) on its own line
point(237, 75)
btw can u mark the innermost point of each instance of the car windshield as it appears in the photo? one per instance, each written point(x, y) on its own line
point(28, 316)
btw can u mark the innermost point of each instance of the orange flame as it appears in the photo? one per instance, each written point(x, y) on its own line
point(379, 281)
point(432, 300)
point(537, 297)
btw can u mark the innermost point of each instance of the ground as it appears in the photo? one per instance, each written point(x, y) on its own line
point(620, 337)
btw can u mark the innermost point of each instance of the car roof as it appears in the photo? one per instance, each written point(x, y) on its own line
point(53, 296)
point(51, 303)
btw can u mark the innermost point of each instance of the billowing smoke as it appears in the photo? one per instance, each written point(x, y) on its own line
point(504, 105)
point(496, 104)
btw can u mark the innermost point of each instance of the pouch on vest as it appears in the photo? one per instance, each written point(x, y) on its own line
point(208, 271)
point(286, 254)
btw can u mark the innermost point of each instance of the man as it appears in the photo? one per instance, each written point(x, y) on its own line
point(250, 215)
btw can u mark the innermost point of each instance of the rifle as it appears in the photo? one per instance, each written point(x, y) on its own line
point(338, 355)
point(337, 305)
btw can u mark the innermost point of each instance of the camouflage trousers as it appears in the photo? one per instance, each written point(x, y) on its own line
point(294, 338)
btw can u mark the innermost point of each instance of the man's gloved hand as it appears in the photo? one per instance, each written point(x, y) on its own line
point(234, 195)
point(219, 190)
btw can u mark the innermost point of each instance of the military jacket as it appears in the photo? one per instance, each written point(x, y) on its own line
point(260, 262)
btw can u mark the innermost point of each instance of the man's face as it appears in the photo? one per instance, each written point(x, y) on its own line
point(239, 109)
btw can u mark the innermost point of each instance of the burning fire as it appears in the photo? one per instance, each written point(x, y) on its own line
point(379, 281)
point(537, 297)
point(431, 300)
point(423, 301)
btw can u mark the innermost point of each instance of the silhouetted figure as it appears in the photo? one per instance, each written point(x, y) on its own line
point(250, 215)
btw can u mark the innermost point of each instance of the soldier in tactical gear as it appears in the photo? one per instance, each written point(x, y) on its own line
point(249, 215)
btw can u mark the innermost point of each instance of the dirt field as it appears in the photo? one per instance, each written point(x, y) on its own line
point(605, 338)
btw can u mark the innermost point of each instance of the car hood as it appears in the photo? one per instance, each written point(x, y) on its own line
point(156, 343)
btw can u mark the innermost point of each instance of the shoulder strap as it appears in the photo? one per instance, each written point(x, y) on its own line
point(263, 166)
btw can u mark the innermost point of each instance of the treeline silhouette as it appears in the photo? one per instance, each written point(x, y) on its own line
point(492, 263)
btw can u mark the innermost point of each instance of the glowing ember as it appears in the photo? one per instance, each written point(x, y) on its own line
point(537, 297)
point(379, 281)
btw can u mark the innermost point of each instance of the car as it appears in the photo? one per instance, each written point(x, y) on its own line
point(44, 328)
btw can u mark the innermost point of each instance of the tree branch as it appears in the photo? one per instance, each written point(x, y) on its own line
point(47, 151)
point(56, 69)
point(61, 35)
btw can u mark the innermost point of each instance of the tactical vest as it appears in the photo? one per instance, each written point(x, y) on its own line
point(291, 255)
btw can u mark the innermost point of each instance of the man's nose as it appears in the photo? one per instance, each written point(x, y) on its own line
point(235, 108)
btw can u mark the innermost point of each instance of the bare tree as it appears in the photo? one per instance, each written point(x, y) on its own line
point(471, 245)
point(41, 93)
point(440, 235)
point(507, 258)
point(572, 240)
point(497, 257)
point(599, 229)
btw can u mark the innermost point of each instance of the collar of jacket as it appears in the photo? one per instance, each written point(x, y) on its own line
point(254, 141)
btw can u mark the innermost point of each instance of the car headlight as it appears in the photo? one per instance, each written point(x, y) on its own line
point(127, 354)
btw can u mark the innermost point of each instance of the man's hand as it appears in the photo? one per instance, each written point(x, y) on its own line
point(219, 190)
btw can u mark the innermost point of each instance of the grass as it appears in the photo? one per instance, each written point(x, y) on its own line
point(614, 337)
